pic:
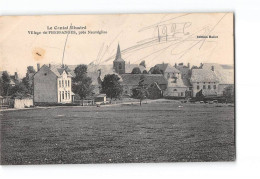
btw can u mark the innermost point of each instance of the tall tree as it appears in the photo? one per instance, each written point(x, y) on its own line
point(136, 70)
point(111, 86)
point(141, 92)
point(81, 83)
point(1, 87)
point(80, 71)
point(28, 79)
point(6, 83)
point(30, 69)
point(143, 63)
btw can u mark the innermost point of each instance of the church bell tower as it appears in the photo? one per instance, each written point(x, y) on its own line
point(119, 63)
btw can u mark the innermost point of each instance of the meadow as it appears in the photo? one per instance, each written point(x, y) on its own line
point(154, 132)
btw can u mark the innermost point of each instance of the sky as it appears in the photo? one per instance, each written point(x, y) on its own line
point(155, 38)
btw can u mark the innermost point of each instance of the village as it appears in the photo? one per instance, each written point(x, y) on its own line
point(54, 85)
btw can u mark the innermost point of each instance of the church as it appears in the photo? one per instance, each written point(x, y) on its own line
point(131, 81)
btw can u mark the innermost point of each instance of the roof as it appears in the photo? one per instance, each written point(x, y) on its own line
point(57, 69)
point(224, 73)
point(118, 55)
point(180, 83)
point(166, 67)
point(129, 67)
point(133, 79)
point(93, 71)
point(203, 75)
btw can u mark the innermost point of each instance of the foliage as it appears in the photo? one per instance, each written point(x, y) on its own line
point(1, 87)
point(111, 86)
point(141, 92)
point(6, 83)
point(143, 63)
point(27, 80)
point(30, 69)
point(80, 71)
point(200, 96)
point(156, 70)
point(136, 70)
point(228, 93)
point(83, 87)
point(145, 72)
point(19, 90)
point(81, 83)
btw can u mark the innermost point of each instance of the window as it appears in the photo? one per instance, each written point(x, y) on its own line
point(215, 87)
point(209, 87)
point(120, 66)
point(62, 84)
point(59, 83)
point(168, 75)
point(181, 93)
point(68, 93)
point(198, 83)
point(62, 94)
point(204, 86)
point(68, 83)
point(198, 87)
point(175, 90)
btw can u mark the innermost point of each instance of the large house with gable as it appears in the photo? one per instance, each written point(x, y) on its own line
point(52, 84)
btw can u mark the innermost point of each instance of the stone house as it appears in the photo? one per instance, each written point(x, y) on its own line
point(205, 80)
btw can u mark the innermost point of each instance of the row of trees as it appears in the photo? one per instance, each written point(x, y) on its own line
point(19, 88)
point(111, 85)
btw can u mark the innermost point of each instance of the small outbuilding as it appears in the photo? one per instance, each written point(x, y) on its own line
point(100, 98)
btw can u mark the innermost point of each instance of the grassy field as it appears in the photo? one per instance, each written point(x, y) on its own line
point(156, 132)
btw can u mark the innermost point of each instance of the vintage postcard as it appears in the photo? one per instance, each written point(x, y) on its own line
point(122, 88)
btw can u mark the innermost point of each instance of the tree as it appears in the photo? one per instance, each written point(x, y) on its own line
point(200, 96)
point(83, 87)
point(156, 70)
point(145, 72)
point(141, 92)
point(81, 83)
point(19, 90)
point(136, 70)
point(111, 86)
point(30, 69)
point(27, 80)
point(143, 63)
point(80, 71)
point(228, 93)
point(1, 87)
point(6, 83)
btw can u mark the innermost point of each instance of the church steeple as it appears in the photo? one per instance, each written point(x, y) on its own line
point(119, 63)
point(118, 53)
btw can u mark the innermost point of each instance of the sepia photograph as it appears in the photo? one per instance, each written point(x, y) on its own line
point(117, 88)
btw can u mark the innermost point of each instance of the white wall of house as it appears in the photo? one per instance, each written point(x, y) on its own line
point(64, 88)
point(208, 88)
point(176, 91)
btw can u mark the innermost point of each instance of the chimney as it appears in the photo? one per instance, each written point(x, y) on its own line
point(175, 65)
point(212, 68)
point(16, 75)
point(188, 65)
point(38, 66)
point(99, 72)
point(49, 65)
